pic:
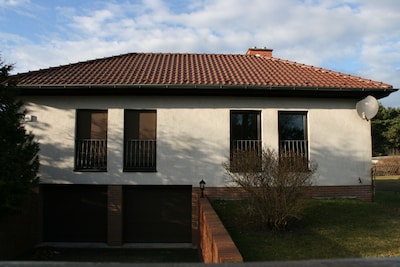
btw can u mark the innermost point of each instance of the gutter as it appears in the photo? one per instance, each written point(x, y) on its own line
point(200, 89)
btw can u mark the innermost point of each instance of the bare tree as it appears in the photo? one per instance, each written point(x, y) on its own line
point(275, 184)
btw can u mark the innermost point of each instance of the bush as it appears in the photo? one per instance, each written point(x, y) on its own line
point(274, 183)
point(388, 166)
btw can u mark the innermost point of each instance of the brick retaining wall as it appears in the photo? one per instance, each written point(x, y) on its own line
point(216, 245)
point(363, 192)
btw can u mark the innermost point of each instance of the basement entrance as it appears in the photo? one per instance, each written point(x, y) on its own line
point(157, 214)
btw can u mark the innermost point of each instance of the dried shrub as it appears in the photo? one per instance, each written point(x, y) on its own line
point(275, 185)
point(388, 166)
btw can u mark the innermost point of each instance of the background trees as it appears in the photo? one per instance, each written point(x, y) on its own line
point(19, 162)
point(386, 132)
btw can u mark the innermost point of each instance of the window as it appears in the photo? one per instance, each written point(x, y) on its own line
point(91, 140)
point(245, 138)
point(293, 140)
point(140, 140)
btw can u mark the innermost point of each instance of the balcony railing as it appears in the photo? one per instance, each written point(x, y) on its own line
point(246, 145)
point(289, 148)
point(91, 154)
point(140, 155)
point(245, 155)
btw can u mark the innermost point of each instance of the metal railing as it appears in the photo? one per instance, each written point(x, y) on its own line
point(91, 154)
point(246, 145)
point(140, 155)
point(289, 148)
point(245, 155)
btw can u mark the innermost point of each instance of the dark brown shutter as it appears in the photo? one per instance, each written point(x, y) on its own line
point(98, 127)
point(140, 124)
point(92, 124)
point(147, 125)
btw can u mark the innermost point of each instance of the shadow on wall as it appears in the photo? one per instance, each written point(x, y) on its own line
point(340, 162)
point(181, 159)
point(186, 156)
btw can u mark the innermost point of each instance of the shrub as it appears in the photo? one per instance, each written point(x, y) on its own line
point(388, 166)
point(274, 183)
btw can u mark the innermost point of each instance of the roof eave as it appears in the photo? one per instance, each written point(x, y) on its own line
point(201, 89)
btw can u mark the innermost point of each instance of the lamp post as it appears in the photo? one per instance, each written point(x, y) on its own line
point(202, 187)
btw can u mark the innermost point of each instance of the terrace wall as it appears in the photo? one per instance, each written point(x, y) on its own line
point(216, 245)
point(362, 192)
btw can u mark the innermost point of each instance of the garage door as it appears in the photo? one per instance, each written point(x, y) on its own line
point(74, 213)
point(157, 214)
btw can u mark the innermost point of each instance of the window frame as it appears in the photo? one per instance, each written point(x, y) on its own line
point(149, 144)
point(83, 160)
point(299, 146)
point(245, 145)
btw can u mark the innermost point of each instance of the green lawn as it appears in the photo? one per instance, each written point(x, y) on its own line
point(387, 190)
point(341, 228)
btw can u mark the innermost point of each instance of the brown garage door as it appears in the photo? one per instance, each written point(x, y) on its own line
point(157, 214)
point(74, 213)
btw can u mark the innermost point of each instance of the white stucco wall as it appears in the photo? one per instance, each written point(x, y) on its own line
point(193, 137)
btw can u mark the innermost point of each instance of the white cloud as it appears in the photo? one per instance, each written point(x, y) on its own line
point(13, 3)
point(357, 36)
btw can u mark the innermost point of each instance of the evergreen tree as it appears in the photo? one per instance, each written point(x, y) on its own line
point(386, 131)
point(19, 161)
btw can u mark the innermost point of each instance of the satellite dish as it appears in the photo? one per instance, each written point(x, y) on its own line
point(367, 107)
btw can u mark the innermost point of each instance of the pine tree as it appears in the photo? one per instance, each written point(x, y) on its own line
point(19, 161)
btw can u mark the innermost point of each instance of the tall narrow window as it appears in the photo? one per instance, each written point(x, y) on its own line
point(293, 139)
point(91, 140)
point(245, 139)
point(140, 140)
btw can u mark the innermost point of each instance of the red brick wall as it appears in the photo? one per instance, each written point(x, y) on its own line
point(364, 192)
point(264, 52)
point(224, 192)
point(114, 215)
point(195, 216)
point(216, 245)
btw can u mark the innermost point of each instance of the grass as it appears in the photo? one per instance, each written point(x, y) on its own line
point(387, 190)
point(114, 255)
point(339, 228)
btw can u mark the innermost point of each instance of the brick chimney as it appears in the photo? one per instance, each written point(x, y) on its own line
point(260, 52)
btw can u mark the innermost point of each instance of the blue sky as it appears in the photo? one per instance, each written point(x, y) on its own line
point(358, 37)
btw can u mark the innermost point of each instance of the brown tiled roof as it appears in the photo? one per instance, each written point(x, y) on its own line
point(192, 70)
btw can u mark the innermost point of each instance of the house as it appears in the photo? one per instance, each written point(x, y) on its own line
point(125, 140)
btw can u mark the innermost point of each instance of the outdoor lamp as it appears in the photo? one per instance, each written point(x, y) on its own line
point(202, 186)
